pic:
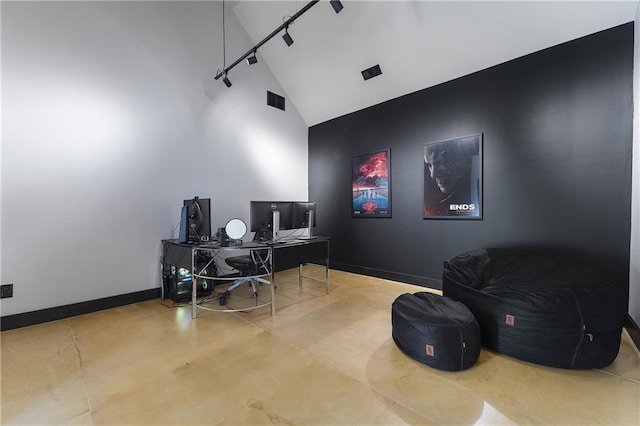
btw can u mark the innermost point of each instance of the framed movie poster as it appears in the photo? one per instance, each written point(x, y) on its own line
point(371, 185)
point(453, 179)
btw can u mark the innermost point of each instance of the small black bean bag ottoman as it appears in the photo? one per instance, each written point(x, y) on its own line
point(547, 307)
point(436, 331)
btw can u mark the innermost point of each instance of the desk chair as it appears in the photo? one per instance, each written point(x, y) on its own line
point(255, 263)
point(249, 266)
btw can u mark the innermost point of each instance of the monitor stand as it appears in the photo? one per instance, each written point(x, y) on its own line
point(309, 227)
point(275, 225)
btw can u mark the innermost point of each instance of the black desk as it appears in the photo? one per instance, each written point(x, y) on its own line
point(298, 253)
point(285, 255)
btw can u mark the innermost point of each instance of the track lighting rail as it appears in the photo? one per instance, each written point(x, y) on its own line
point(267, 38)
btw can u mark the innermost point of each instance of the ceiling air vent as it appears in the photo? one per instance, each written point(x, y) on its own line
point(371, 72)
point(275, 101)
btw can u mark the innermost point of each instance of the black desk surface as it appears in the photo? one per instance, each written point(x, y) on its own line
point(287, 254)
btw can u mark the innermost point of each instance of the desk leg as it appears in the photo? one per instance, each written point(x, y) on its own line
point(161, 280)
point(326, 266)
point(326, 274)
point(194, 283)
point(300, 275)
point(273, 297)
point(273, 291)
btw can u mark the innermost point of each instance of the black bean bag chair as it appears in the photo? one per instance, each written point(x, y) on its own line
point(435, 330)
point(547, 307)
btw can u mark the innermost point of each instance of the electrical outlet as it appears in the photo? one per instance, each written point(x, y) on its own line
point(6, 290)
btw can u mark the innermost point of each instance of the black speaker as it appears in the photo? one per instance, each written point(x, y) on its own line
point(223, 238)
point(183, 235)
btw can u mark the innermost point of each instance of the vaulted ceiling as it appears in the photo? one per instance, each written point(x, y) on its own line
point(418, 44)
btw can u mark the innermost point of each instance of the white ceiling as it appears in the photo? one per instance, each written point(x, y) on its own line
point(418, 44)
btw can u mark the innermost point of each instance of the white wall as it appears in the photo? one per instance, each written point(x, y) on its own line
point(634, 270)
point(110, 119)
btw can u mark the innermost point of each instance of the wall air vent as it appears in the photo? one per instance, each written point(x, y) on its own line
point(275, 101)
point(371, 72)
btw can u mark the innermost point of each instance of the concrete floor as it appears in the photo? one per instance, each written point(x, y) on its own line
point(322, 359)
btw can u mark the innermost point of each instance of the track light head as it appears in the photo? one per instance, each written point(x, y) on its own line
point(337, 5)
point(287, 38)
point(226, 81)
point(252, 59)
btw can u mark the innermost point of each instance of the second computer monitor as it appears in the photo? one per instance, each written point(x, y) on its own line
point(304, 216)
point(262, 214)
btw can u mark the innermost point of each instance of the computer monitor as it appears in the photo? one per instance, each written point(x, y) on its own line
point(199, 218)
point(304, 216)
point(261, 217)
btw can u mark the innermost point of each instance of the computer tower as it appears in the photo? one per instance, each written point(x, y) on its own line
point(178, 285)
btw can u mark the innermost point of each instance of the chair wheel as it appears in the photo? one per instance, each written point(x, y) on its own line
point(222, 298)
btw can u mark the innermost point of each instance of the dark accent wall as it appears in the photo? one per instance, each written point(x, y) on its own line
point(557, 128)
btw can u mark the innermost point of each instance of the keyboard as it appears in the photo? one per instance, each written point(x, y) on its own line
point(271, 242)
